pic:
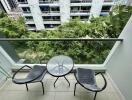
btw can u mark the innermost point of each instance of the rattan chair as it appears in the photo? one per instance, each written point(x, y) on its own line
point(86, 78)
point(36, 74)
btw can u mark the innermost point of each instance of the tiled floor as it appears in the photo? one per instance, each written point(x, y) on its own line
point(62, 91)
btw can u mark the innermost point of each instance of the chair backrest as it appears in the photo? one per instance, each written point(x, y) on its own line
point(86, 76)
point(9, 49)
point(37, 71)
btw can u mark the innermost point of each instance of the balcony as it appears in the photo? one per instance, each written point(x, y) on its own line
point(61, 90)
point(108, 0)
point(81, 1)
point(31, 26)
point(51, 20)
point(80, 11)
point(82, 18)
point(26, 10)
point(116, 68)
point(48, 1)
point(22, 2)
point(50, 11)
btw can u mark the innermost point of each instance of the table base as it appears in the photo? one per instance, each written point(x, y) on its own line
point(65, 79)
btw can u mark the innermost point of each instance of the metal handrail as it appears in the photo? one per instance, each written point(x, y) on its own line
point(61, 39)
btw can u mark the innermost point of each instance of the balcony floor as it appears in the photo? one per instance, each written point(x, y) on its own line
point(61, 92)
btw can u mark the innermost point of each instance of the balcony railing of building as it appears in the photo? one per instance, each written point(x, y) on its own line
point(26, 10)
point(105, 10)
point(50, 11)
point(29, 20)
point(48, 1)
point(81, 19)
point(22, 2)
point(80, 11)
point(51, 19)
point(108, 0)
point(64, 41)
point(81, 1)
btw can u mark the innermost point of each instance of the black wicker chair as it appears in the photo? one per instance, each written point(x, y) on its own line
point(36, 74)
point(86, 78)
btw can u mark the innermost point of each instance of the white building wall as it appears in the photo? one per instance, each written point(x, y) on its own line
point(119, 62)
point(96, 8)
point(36, 13)
point(6, 6)
point(65, 10)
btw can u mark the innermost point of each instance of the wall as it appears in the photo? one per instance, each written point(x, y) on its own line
point(119, 62)
point(96, 8)
point(37, 16)
point(6, 5)
point(65, 10)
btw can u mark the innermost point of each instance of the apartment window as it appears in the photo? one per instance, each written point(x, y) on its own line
point(51, 25)
point(55, 9)
point(47, 9)
point(80, 9)
point(26, 10)
point(23, 1)
point(85, 8)
point(75, 9)
point(84, 18)
point(74, 17)
point(48, 1)
point(31, 25)
point(106, 8)
point(81, 1)
point(51, 18)
point(108, 0)
point(28, 18)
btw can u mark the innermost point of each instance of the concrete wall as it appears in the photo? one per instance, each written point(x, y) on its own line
point(65, 10)
point(96, 8)
point(35, 10)
point(119, 62)
point(6, 5)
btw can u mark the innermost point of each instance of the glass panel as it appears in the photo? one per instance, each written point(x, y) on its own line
point(82, 52)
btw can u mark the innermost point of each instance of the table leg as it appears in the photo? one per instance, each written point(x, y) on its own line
point(67, 81)
point(55, 81)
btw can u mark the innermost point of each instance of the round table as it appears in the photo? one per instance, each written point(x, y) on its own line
point(59, 66)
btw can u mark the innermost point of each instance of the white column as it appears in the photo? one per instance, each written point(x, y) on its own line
point(36, 13)
point(65, 10)
point(6, 6)
point(96, 8)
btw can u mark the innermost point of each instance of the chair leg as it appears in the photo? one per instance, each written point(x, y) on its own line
point(75, 88)
point(42, 86)
point(95, 95)
point(27, 87)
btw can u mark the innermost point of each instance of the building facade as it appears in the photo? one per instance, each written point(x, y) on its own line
point(10, 7)
point(7, 5)
point(47, 14)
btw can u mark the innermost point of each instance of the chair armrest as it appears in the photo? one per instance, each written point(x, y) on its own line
point(20, 70)
point(105, 82)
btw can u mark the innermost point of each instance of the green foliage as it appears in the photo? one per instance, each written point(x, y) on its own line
point(12, 28)
point(82, 52)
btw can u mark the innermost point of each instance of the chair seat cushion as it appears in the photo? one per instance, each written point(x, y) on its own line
point(35, 74)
